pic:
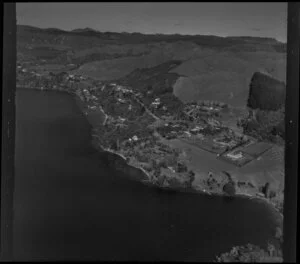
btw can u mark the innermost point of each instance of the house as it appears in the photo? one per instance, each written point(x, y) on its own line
point(122, 119)
point(207, 108)
point(187, 133)
point(121, 100)
point(171, 169)
point(130, 107)
point(196, 129)
point(213, 122)
point(235, 155)
point(135, 138)
point(155, 104)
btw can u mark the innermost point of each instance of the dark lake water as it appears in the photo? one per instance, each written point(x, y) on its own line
point(70, 205)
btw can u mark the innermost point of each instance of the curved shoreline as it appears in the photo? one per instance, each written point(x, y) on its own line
point(184, 189)
point(144, 174)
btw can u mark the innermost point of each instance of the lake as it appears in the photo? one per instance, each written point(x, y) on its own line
point(69, 204)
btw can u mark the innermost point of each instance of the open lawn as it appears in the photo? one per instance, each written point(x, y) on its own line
point(225, 76)
point(257, 149)
point(258, 172)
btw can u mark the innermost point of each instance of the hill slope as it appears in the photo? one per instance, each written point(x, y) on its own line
point(211, 67)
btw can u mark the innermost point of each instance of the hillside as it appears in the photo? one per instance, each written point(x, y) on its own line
point(212, 67)
point(266, 93)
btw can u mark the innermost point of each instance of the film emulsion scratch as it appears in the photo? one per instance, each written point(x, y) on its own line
point(150, 131)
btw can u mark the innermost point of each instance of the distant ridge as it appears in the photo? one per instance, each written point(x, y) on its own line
point(254, 39)
point(87, 29)
point(244, 39)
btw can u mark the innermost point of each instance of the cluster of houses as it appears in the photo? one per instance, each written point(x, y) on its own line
point(117, 122)
point(157, 104)
point(195, 110)
point(133, 139)
point(75, 78)
point(121, 92)
point(88, 97)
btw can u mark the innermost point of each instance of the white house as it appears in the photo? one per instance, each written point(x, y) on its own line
point(235, 156)
point(122, 119)
point(187, 133)
point(196, 129)
point(171, 169)
point(121, 100)
point(135, 138)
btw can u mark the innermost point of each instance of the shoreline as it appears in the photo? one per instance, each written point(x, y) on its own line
point(147, 181)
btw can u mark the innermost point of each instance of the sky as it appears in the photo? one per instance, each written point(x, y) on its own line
point(221, 19)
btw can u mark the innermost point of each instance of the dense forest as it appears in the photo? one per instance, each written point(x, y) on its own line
point(266, 93)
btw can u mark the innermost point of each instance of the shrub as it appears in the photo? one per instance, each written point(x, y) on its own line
point(250, 253)
point(191, 176)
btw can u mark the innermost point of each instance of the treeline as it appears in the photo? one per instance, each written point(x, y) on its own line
point(266, 119)
point(266, 93)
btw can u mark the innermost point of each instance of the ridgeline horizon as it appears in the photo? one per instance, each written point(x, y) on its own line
point(92, 30)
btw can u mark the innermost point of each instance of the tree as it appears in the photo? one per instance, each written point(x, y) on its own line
point(229, 188)
point(191, 177)
point(266, 189)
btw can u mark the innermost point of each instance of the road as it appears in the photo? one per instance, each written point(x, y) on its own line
point(147, 110)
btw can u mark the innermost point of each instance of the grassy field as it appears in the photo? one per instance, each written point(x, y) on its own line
point(257, 149)
point(258, 172)
point(225, 76)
